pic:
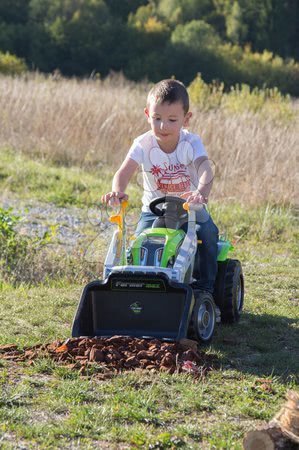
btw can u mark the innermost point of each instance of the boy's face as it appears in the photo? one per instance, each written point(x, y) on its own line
point(166, 120)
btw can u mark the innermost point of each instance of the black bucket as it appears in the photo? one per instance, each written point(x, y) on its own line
point(134, 304)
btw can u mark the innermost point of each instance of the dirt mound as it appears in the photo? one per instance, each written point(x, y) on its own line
point(98, 356)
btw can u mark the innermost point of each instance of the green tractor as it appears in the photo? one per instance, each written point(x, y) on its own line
point(150, 288)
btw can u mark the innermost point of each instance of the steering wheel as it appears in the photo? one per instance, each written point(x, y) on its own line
point(153, 206)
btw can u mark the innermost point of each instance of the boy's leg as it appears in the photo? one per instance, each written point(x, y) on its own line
point(207, 232)
point(145, 221)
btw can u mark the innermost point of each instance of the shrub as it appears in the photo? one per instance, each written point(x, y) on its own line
point(34, 259)
point(16, 251)
point(259, 69)
point(11, 65)
point(206, 96)
point(269, 102)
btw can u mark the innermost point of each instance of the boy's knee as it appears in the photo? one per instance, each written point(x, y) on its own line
point(207, 231)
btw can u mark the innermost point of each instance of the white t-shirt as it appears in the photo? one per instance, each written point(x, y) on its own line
point(167, 173)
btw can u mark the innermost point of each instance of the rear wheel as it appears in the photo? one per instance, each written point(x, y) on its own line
point(229, 290)
point(203, 317)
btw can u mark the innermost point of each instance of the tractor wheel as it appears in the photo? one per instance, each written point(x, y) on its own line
point(229, 290)
point(203, 319)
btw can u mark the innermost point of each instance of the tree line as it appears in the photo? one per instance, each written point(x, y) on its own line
point(234, 41)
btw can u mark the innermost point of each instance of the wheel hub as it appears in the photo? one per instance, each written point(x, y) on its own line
point(206, 319)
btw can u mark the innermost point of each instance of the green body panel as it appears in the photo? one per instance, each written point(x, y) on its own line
point(224, 247)
point(173, 238)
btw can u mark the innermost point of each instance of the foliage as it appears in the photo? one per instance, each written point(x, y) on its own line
point(268, 102)
point(206, 96)
point(16, 250)
point(75, 37)
point(259, 69)
point(11, 247)
point(11, 65)
point(195, 35)
point(158, 38)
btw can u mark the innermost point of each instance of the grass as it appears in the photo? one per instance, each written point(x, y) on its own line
point(64, 186)
point(26, 183)
point(62, 160)
point(92, 124)
point(45, 406)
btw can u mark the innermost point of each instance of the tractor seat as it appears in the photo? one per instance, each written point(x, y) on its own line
point(173, 217)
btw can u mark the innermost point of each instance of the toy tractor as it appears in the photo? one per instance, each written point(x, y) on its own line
point(150, 288)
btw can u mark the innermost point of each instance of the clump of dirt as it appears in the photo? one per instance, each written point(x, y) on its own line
point(100, 356)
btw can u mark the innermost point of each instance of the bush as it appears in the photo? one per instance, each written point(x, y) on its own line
point(35, 259)
point(259, 69)
point(268, 102)
point(11, 65)
point(206, 96)
point(17, 252)
point(12, 247)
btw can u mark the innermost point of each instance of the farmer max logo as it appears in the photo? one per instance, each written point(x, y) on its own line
point(130, 285)
point(136, 307)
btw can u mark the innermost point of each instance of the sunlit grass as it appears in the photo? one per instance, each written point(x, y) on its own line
point(52, 406)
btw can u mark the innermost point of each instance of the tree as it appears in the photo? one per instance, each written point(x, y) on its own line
point(122, 8)
point(257, 17)
point(194, 48)
point(284, 30)
point(14, 35)
point(148, 39)
point(182, 11)
point(76, 36)
point(196, 35)
point(14, 11)
point(236, 30)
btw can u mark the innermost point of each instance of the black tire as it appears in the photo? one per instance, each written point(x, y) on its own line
point(203, 318)
point(229, 290)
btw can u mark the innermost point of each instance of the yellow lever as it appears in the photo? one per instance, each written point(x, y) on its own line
point(118, 218)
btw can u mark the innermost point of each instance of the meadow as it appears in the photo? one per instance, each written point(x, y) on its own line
point(60, 142)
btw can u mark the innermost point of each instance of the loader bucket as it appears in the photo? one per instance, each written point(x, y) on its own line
point(134, 304)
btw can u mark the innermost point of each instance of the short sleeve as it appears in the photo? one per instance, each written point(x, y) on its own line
point(136, 153)
point(198, 147)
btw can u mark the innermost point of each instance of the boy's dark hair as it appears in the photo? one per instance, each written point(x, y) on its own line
point(170, 91)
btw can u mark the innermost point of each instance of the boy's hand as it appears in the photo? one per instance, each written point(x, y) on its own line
point(195, 197)
point(114, 198)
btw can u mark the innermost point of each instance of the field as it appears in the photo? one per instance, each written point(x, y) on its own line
point(60, 141)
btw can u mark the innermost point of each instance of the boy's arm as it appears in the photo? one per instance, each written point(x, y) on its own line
point(205, 181)
point(205, 176)
point(120, 182)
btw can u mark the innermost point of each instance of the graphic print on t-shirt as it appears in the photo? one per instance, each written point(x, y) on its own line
point(174, 173)
point(171, 177)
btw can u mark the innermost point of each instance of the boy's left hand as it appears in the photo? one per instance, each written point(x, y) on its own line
point(194, 197)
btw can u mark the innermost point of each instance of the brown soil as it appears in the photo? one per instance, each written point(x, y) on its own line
point(102, 357)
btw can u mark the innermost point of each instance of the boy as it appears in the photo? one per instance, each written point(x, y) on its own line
point(174, 162)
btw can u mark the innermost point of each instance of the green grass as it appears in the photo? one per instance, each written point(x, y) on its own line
point(46, 406)
point(39, 180)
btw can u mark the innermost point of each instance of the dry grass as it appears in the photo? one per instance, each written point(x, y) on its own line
point(92, 123)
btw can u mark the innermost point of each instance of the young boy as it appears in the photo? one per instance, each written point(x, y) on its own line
point(174, 162)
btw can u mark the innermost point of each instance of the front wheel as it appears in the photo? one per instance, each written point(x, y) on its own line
point(229, 290)
point(203, 317)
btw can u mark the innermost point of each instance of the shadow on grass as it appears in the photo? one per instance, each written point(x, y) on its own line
point(260, 344)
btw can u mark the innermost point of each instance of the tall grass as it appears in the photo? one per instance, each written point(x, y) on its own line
point(92, 123)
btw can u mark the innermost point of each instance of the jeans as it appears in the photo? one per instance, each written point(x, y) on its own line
point(207, 232)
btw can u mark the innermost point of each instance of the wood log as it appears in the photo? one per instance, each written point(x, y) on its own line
point(288, 416)
point(282, 433)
